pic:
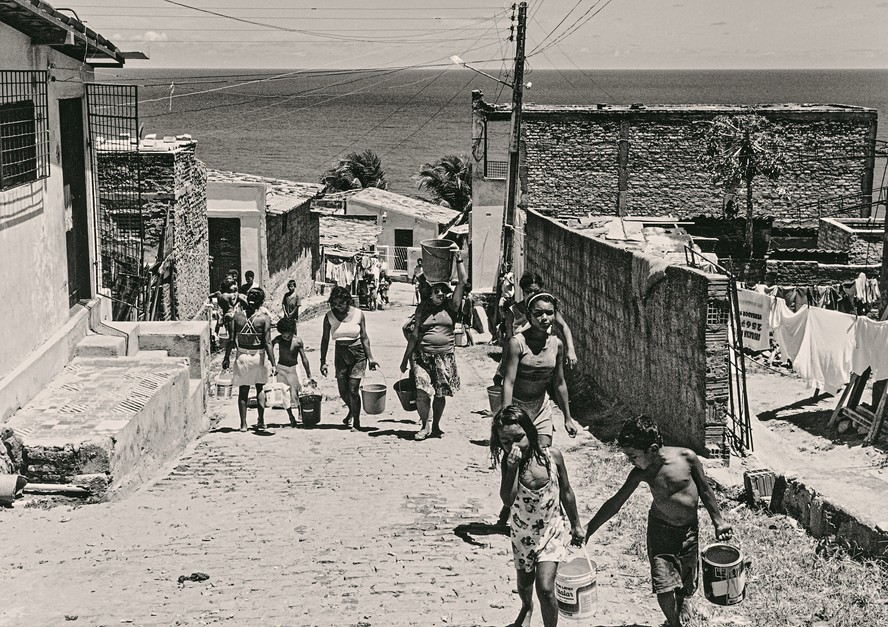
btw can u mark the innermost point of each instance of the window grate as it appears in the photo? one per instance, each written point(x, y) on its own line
point(24, 127)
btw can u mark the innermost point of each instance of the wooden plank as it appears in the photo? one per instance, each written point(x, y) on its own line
point(878, 420)
point(858, 419)
point(857, 393)
point(838, 410)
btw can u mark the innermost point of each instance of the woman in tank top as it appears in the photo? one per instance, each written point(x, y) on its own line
point(534, 361)
point(430, 351)
point(344, 323)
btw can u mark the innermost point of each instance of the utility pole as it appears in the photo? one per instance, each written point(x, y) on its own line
point(514, 139)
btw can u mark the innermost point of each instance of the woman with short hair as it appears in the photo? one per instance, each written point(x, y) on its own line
point(345, 324)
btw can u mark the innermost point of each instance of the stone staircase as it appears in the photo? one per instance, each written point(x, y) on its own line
point(132, 398)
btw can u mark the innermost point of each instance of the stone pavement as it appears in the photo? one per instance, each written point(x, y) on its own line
point(308, 527)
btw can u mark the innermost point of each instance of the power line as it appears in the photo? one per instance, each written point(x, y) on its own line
point(312, 9)
point(564, 19)
point(576, 26)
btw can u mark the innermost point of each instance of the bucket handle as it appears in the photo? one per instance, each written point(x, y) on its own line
point(588, 561)
point(384, 378)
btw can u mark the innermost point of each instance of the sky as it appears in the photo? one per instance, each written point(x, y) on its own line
point(567, 34)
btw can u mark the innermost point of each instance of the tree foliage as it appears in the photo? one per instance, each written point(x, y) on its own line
point(356, 170)
point(737, 150)
point(448, 180)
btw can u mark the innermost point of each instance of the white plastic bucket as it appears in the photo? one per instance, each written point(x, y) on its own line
point(576, 587)
point(459, 335)
point(495, 398)
point(223, 385)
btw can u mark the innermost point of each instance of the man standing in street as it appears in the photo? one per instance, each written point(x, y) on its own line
point(291, 302)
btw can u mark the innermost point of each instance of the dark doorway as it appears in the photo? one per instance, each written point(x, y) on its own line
point(225, 249)
point(404, 237)
point(74, 182)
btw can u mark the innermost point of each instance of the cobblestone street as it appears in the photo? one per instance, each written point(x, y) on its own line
point(306, 527)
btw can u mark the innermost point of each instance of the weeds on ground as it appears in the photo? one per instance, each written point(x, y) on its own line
point(792, 582)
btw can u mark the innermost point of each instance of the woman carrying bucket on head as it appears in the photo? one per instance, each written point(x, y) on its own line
point(536, 487)
point(430, 351)
point(346, 325)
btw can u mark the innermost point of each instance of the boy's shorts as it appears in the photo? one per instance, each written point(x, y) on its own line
point(673, 552)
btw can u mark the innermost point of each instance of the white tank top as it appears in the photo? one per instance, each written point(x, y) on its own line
point(349, 328)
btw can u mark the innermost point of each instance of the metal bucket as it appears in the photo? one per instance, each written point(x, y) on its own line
point(437, 260)
point(724, 574)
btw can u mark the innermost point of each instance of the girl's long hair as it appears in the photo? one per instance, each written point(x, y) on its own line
point(514, 415)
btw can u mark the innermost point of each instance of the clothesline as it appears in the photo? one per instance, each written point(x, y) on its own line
point(849, 297)
point(824, 346)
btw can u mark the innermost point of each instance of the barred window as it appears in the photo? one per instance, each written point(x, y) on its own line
point(24, 129)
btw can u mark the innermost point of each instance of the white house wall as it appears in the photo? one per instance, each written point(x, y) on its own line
point(422, 229)
point(33, 254)
point(246, 202)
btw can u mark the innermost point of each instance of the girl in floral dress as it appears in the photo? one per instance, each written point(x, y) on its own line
point(535, 483)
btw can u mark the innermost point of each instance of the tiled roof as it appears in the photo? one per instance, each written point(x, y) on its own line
point(47, 26)
point(390, 201)
point(348, 235)
point(281, 195)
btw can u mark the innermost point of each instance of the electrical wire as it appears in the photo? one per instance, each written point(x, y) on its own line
point(576, 26)
point(564, 19)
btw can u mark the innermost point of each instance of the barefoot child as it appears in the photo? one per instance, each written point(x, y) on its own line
point(290, 350)
point(678, 483)
point(535, 483)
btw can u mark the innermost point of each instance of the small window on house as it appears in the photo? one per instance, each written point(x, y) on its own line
point(24, 129)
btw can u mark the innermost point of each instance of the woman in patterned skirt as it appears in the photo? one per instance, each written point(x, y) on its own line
point(430, 351)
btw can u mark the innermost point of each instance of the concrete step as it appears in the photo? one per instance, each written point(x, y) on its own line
point(131, 329)
point(101, 346)
point(151, 355)
point(115, 418)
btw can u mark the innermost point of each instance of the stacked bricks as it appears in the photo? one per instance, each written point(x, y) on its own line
point(575, 164)
point(655, 354)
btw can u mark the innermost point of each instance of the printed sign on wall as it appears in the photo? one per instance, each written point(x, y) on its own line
point(754, 312)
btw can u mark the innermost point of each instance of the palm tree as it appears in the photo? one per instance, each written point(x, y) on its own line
point(738, 149)
point(357, 170)
point(448, 180)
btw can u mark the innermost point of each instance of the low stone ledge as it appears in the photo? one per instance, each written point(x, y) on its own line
point(823, 519)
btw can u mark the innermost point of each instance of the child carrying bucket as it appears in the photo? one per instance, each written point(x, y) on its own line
point(678, 483)
point(291, 350)
point(535, 483)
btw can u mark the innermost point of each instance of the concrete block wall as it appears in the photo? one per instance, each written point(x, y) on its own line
point(191, 275)
point(293, 252)
point(573, 160)
point(657, 354)
point(814, 273)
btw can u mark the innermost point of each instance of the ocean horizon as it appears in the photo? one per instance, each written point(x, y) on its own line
point(295, 124)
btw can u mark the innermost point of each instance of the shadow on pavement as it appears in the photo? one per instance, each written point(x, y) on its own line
point(771, 414)
point(467, 530)
point(484, 443)
point(225, 430)
point(403, 422)
point(398, 433)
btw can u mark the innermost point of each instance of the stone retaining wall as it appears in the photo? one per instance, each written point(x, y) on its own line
point(823, 519)
point(656, 347)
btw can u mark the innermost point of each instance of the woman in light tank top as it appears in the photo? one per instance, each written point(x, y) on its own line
point(344, 323)
point(534, 362)
point(430, 352)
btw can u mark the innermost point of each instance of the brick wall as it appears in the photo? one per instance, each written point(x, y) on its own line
point(293, 240)
point(573, 163)
point(862, 247)
point(168, 190)
point(658, 355)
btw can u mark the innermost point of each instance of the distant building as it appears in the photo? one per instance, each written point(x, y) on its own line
point(405, 222)
point(265, 225)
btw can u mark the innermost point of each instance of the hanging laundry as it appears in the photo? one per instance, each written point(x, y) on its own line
point(871, 347)
point(826, 350)
point(790, 329)
point(796, 296)
point(755, 312)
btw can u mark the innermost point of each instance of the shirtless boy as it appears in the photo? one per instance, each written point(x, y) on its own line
point(290, 351)
point(291, 302)
point(678, 483)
